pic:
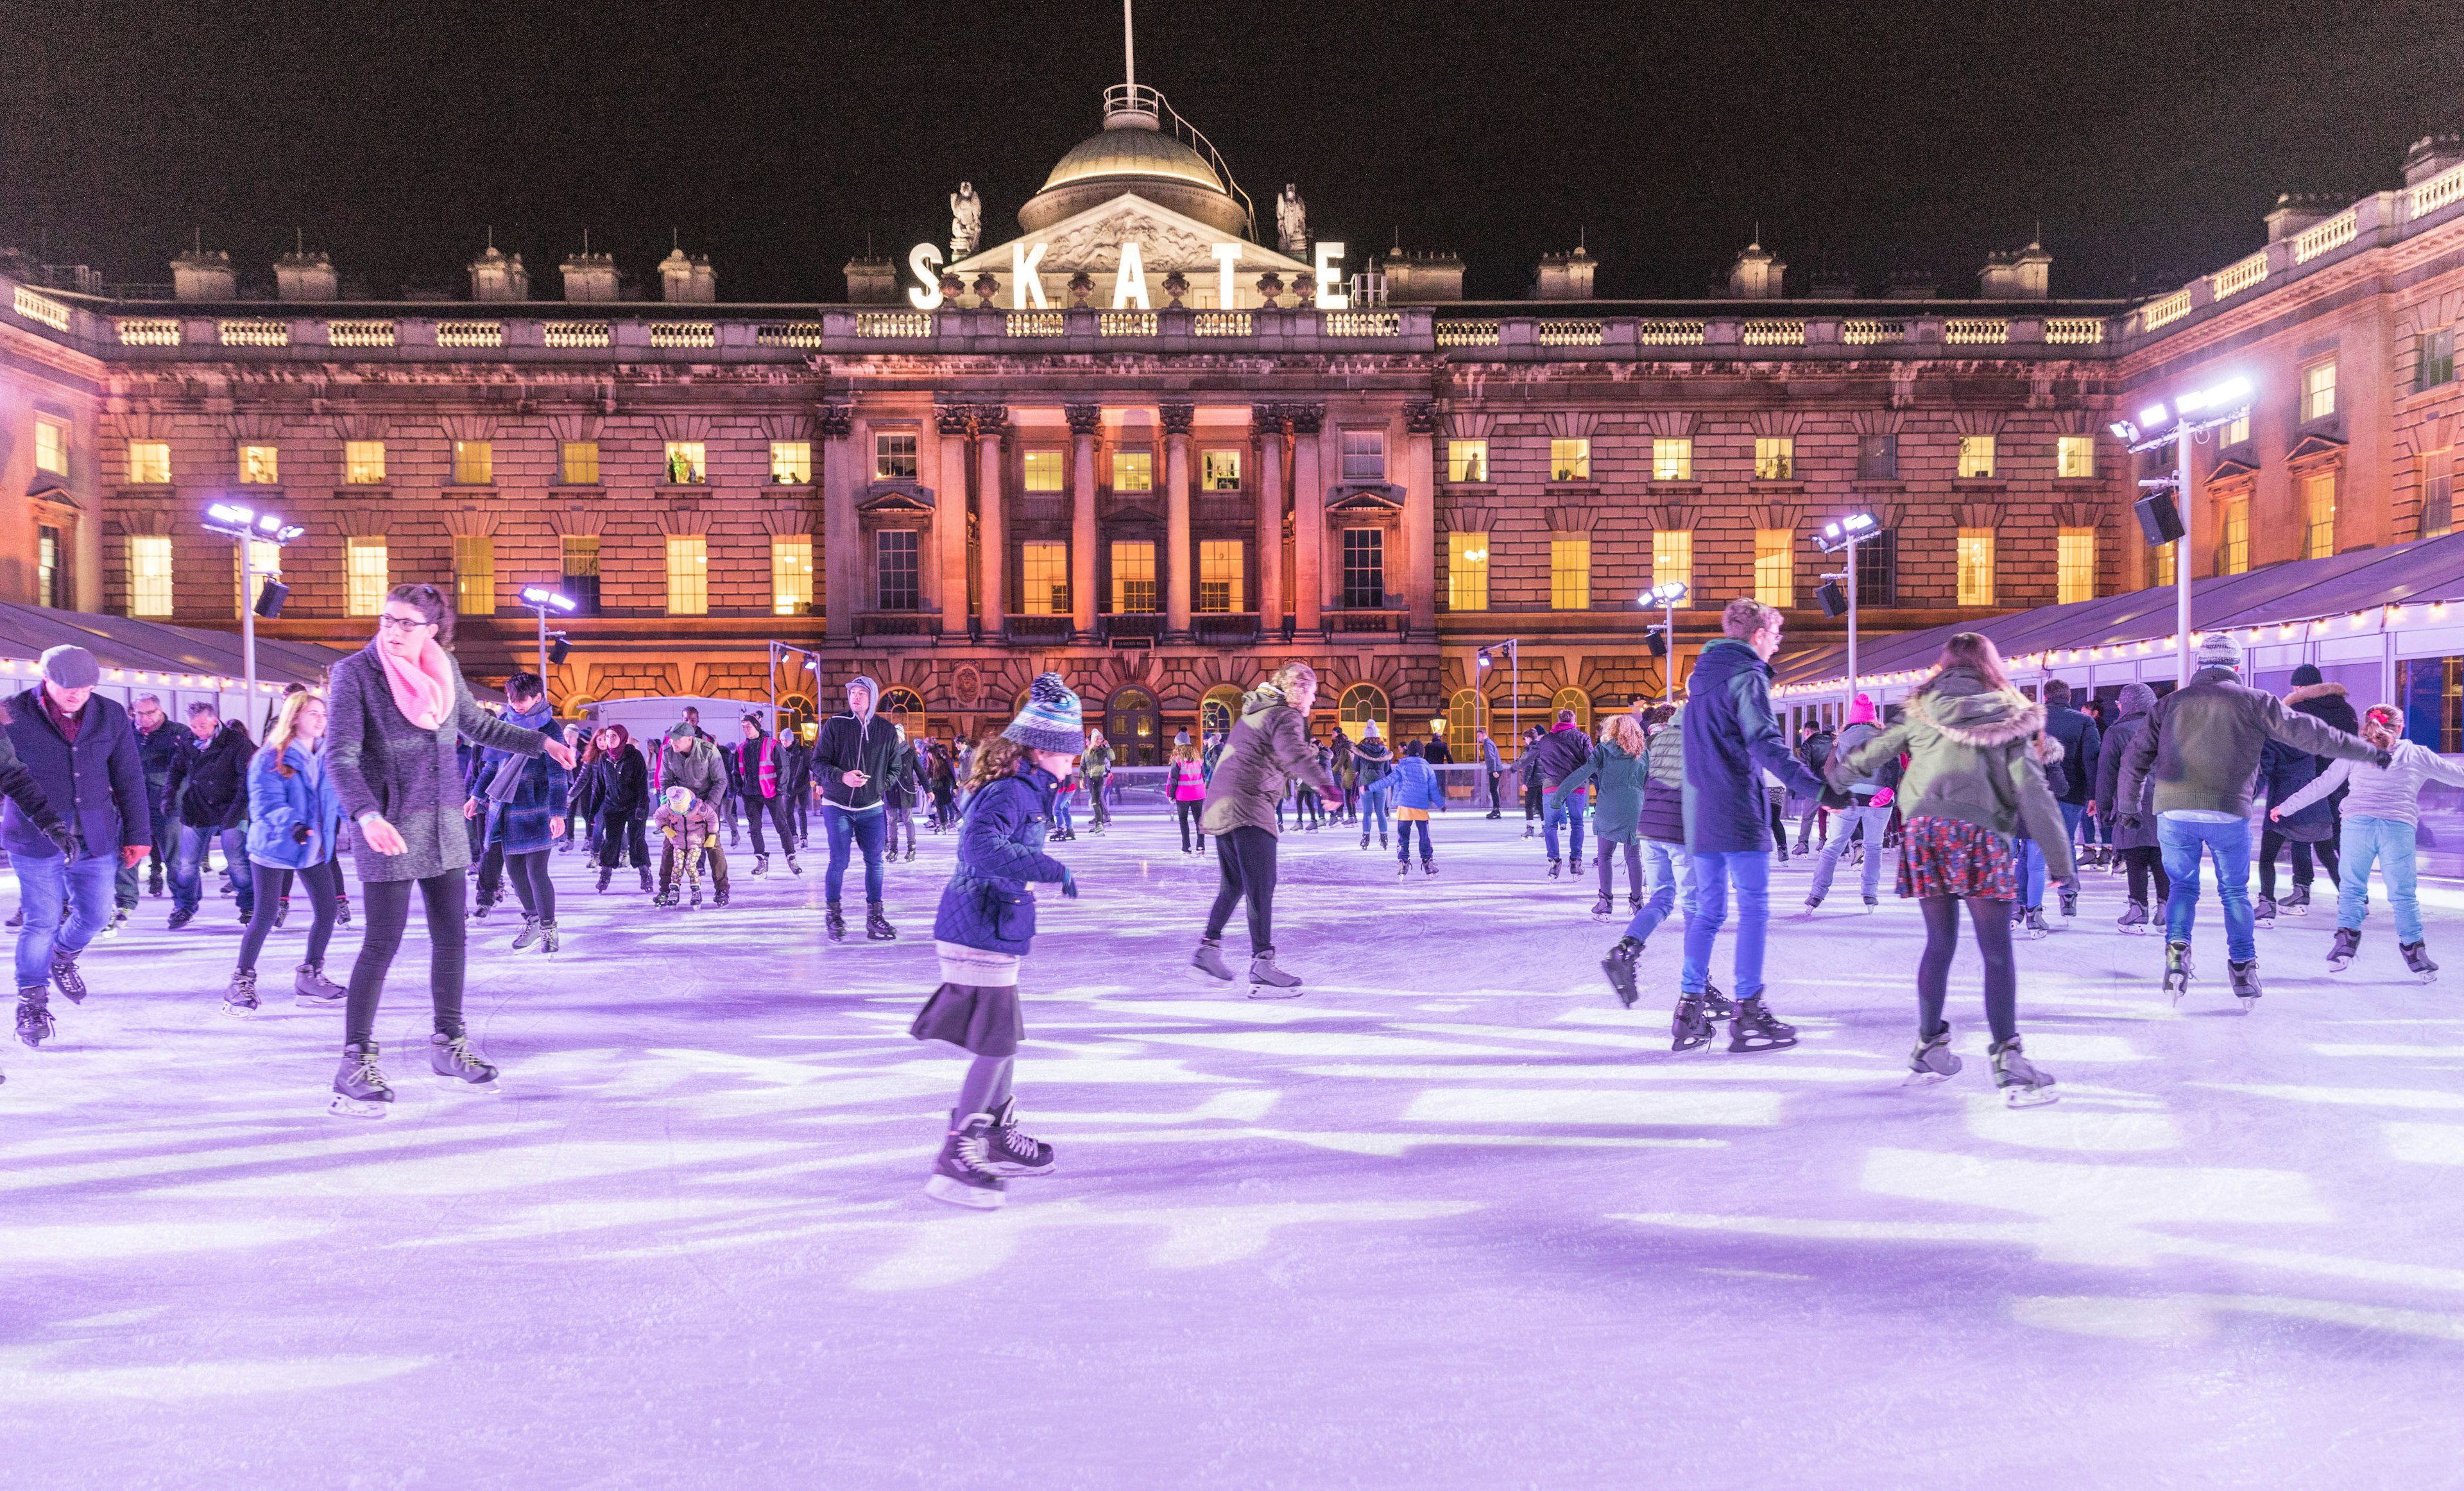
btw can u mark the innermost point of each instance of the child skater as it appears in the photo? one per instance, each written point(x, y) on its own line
point(2382, 821)
point(1414, 787)
point(690, 828)
point(985, 926)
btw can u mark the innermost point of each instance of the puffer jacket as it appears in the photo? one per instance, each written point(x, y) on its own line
point(1415, 784)
point(2082, 745)
point(1268, 750)
point(2137, 698)
point(2202, 744)
point(987, 904)
point(2284, 769)
point(1731, 738)
point(1617, 815)
point(279, 805)
point(1969, 758)
point(1662, 819)
point(1371, 760)
point(1859, 792)
point(624, 787)
point(1563, 749)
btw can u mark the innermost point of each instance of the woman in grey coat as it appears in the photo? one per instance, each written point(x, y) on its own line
point(1269, 749)
point(396, 706)
point(2132, 825)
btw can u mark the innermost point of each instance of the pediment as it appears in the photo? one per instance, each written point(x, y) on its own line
point(1368, 499)
point(2233, 468)
point(885, 497)
point(1091, 242)
point(2314, 447)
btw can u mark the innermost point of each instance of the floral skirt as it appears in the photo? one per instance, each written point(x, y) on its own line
point(1949, 857)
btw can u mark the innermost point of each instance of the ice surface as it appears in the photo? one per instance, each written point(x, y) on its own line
point(1452, 1218)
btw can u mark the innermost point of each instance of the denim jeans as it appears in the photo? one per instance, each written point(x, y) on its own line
point(1403, 840)
point(859, 830)
point(1372, 809)
point(1874, 822)
point(187, 866)
point(2032, 873)
point(1659, 862)
point(1712, 873)
point(43, 887)
point(2181, 839)
point(2072, 813)
point(1571, 811)
point(2365, 838)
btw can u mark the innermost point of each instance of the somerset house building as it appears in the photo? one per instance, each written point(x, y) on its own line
point(1159, 438)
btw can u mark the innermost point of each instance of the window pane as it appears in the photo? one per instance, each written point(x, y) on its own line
point(1219, 471)
point(1877, 571)
point(2074, 566)
point(149, 463)
point(2437, 494)
point(2233, 538)
point(1134, 575)
point(1569, 573)
point(580, 554)
point(259, 465)
point(52, 447)
point(1219, 575)
point(580, 463)
point(1466, 571)
point(474, 463)
point(364, 462)
point(1364, 455)
point(1044, 471)
point(150, 575)
point(1466, 716)
point(1975, 455)
point(1976, 566)
point(893, 458)
point(1775, 567)
point(791, 573)
point(2438, 357)
point(897, 569)
point(1569, 460)
point(791, 462)
point(1878, 457)
point(1672, 557)
point(1774, 458)
point(2162, 564)
point(1132, 471)
point(1673, 459)
point(1364, 567)
point(48, 589)
point(2075, 456)
point(2319, 516)
point(688, 575)
point(1044, 579)
point(688, 463)
point(2318, 391)
point(2236, 432)
point(474, 575)
point(1467, 460)
point(365, 572)
point(1361, 704)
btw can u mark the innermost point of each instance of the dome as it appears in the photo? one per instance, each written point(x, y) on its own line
point(1132, 155)
point(1133, 152)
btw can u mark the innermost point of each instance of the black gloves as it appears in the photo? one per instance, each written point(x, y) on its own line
point(65, 837)
point(299, 833)
point(2382, 758)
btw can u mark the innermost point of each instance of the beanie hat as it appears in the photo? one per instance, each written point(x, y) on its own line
point(2306, 674)
point(1369, 729)
point(1052, 719)
point(680, 799)
point(1861, 712)
point(2137, 698)
point(2383, 715)
point(2218, 650)
point(71, 666)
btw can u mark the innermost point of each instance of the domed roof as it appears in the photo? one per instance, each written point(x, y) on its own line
point(1134, 151)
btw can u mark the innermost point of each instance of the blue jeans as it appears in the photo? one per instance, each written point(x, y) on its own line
point(1750, 870)
point(1372, 810)
point(1875, 823)
point(2364, 840)
point(1660, 868)
point(1403, 828)
point(2072, 813)
point(43, 887)
point(187, 867)
point(1061, 822)
point(2179, 840)
point(1572, 810)
point(853, 831)
point(2032, 873)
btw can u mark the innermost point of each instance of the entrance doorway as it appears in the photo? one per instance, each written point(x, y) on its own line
point(1135, 726)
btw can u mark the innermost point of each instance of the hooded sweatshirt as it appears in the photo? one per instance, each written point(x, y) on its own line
point(1969, 758)
point(2391, 791)
point(2137, 698)
point(2202, 744)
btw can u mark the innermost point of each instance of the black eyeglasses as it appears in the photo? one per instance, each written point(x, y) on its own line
point(405, 623)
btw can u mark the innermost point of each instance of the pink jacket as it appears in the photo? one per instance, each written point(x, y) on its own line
point(1186, 782)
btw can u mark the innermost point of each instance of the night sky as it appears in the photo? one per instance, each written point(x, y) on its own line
point(2147, 138)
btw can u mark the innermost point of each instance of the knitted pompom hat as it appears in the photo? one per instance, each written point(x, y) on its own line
point(1052, 719)
point(2218, 650)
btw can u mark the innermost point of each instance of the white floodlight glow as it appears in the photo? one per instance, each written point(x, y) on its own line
point(2152, 415)
point(2123, 430)
point(224, 512)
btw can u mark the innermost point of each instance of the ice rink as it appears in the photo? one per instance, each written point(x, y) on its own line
point(1453, 1218)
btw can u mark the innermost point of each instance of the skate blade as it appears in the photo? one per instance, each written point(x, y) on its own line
point(242, 1012)
point(2029, 1096)
point(942, 1189)
point(1272, 992)
point(2249, 1003)
point(1928, 1079)
point(2334, 966)
point(357, 1107)
point(1013, 1170)
point(1756, 1049)
point(312, 1002)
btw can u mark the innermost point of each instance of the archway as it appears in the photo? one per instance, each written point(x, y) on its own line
point(903, 706)
point(1466, 716)
point(1576, 699)
point(1219, 710)
point(1360, 705)
point(1135, 727)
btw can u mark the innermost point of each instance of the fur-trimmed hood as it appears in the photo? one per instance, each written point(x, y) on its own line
point(1971, 712)
point(2311, 691)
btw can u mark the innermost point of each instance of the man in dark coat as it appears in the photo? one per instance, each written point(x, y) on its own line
point(75, 816)
point(2081, 744)
point(796, 780)
point(853, 760)
point(157, 750)
point(2332, 707)
point(207, 793)
point(1559, 752)
point(1731, 738)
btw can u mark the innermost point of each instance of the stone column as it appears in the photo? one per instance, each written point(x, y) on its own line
point(1309, 579)
point(1269, 425)
point(1085, 420)
point(1180, 556)
point(992, 534)
point(834, 423)
point(1420, 513)
point(950, 515)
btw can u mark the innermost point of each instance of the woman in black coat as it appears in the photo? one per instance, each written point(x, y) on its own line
point(623, 792)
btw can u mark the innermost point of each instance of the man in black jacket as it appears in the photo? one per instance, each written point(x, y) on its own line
point(77, 754)
point(208, 793)
point(1559, 752)
point(852, 761)
point(158, 748)
point(796, 780)
point(2082, 743)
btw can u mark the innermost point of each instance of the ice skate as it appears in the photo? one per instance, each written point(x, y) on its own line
point(2416, 957)
point(1690, 1027)
point(1428, 867)
point(449, 1056)
point(964, 1174)
point(1364, 839)
point(529, 934)
point(605, 876)
point(342, 910)
point(312, 990)
point(1813, 903)
point(1557, 868)
point(480, 908)
point(1600, 908)
point(876, 924)
point(2133, 921)
point(1719, 1004)
point(1402, 867)
point(65, 976)
point(2263, 914)
point(1013, 1151)
point(179, 917)
point(793, 868)
point(1266, 980)
point(1634, 903)
point(1618, 965)
point(1755, 1028)
point(1933, 1060)
point(693, 885)
point(1527, 828)
point(2069, 900)
point(2022, 1084)
point(2245, 983)
point(720, 896)
point(35, 1024)
point(1381, 838)
point(2299, 903)
point(2177, 969)
point(2348, 941)
point(549, 942)
point(1209, 959)
point(836, 921)
point(1574, 866)
point(762, 865)
point(646, 876)
point(2032, 923)
point(241, 999)
point(360, 1089)
point(1872, 906)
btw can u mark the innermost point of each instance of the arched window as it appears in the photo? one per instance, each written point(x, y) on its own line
point(1217, 711)
point(1576, 699)
point(1133, 727)
point(1465, 717)
point(903, 706)
point(1361, 703)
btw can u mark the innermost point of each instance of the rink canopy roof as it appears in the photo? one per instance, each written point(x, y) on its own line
point(2365, 606)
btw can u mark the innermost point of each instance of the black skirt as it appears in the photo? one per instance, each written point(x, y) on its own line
point(982, 1020)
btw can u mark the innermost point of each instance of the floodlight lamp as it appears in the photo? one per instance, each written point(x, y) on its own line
point(268, 523)
point(2123, 430)
point(290, 535)
point(1857, 522)
point(224, 512)
point(2153, 414)
point(1481, 657)
point(1831, 530)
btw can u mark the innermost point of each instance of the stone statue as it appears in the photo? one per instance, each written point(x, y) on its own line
point(1291, 221)
point(966, 221)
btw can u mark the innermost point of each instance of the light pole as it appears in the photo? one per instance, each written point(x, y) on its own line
point(812, 660)
point(1667, 597)
point(540, 600)
point(1843, 538)
point(2190, 416)
point(251, 528)
point(1512, 647)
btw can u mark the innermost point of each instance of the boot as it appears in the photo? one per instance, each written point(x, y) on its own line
point(240, 998)
point(1428, 867)
point(360, 1089)
point(696, 882)
point(1208, 959)
point(835, 920)
point(2070, 900)
point(606, 873)
point(312, 990)
point(35, 1024)
point(480, 908)
point(1634, 901)
point(2133, 918)
point(1575, 864)
point(2178, 969)
point(2032, 923)
point(2416, 957)
point(719, 896)
point(1600, 908)
point(876, 924)
point(1618, 965)
point(1266, 980)
point(962, 1175)
point(281, 911)
point(342, 910)
point(646, 876)
point(65, 976)
point(793, 868)
point(2348, 941)
point(154, 881)
point(1932, 1062)
point(2245, 983)
point(1381, 838)
point(1556, 867)
point(1690, 1027)
point(2264, 913)
point(449, 1056)
point(1402, 867)
point(2022, 1086)
point(549, 942)
point(529, 934)
point(1720, 1005)
point(1755, 1028)
point(762, 865)
point(1364, 839)
point(1013, 1151)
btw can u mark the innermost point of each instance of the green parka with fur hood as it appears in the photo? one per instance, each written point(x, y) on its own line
point(1975, 753)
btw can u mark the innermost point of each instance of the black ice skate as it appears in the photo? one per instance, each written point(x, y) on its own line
point(606, 874)
point(2133, 919)
point(1933, 1060)
point(35, 1024)
point(2349, 941)
point(1574, 866)
point(964, 1174)
point(2416, 957)
point(449, 1056)
point(1381, 839)
point(645, 876)
point(1013, 1152)
point(1813, 903)
point(1872, 906)
point(1618, 965)
point(1208, 959)
point(835, 920)
point(181, 916)
point(2264, 913)
point(480, 908)
point(793, 868)
point(1690, 1027)
point(2032, 922)
point(549, 942)
point(1557, 868)
point(2022, 1084)
point(530, 932)
point(1719, 1004)
point(1755, 1028)
point(1600, 908)
point(241, 999)
point(2177, 969)
point(694, 886)
point(1402, 867)
point(312, 990)
point(720, 896)
point(1268, 981)
point(2299, 903)
point(342, 910)
point(65, 976)
point(281, 912)
point(2245, 983)
point(360, 1089)
point(1428, 867)
point(876, 924)
point(1364, 839)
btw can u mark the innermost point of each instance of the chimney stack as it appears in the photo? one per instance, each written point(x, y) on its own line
point(202, 276)
point(1757, 273)
point(1914, 284)
point(871, 282)
point(1422, 279)
point(2023, 275)
point(2429, 155)
point(590, 276)
point(302, 275)
point(497, 275)
point(1563, 277)
point(687, 280)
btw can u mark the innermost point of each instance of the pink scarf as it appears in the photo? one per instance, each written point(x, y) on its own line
point(422, 690)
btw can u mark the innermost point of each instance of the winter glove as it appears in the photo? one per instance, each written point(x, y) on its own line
point(1883, 799)
point(1068, 885)
point(299, 833)
point(2128, 822)
point(2383, 759)
point(65, 837)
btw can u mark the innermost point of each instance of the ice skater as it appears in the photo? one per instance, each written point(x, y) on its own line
point(1618, 766)
point(2134, 847)
point(1661, 822)
point(1554, 758)
point(1413, 783)
point(1374, 764)
point(66, 745)
point(851, 763)
point(689, 827)
point(525, 803)
point(1864, 809)
point(295, 822)
point(1184, 787)
point(1267, 749)
point(2382, 817)
point(982, 932)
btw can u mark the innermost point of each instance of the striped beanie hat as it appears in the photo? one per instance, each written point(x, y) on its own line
point(1052, 719)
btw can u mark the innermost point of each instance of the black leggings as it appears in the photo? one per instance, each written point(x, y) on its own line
point(1991, 920)
point(1190, 811)
point(1605, 852)
point(323, 885)
point(531, 886)
point(2143, 863)
point(2269, 841)
point(1246, 856)
point(774, 809)
point(618, 833)
point(389, 910)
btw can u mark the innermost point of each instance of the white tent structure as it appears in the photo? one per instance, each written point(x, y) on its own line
point(180, 665)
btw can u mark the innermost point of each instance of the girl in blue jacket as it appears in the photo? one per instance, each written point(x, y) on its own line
point(294, 816)
point(1414, 786)
point(984, 927)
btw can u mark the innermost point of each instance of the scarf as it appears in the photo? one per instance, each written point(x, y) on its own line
point(423, 690)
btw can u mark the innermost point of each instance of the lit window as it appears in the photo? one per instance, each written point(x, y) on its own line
point(688, 575)
point(1364, 455)
point(1134, 575)
point(2437, 358)
point(1046, 471)
point(474, 574)
point(1774, 457)
point(1219, 471)
point(579, 463)
point(1364, 567)
point(1467, 460)
point(2233, 538)
point(51, 446)
point(363, 562)
point(259, 465)
point(1569, 460)
point(1578, 702)
point(265, 560)
point(50, 573)
point(2236, 432)
point(1775, 567)
point(1466, 716)
point(149, 463)
point(2074, 566)
point(1362, 705)
point(2075, 456)
point(1673, 459)
point(1569, 573)
point(150, 575)
point(1466, 571)
point(1133, 471)
point(1976, 456)
point(364, 462)
point(2319, 516)
point(1878, 457)
point(2160, 569)
point(1044, 579)
point(688, 463)
point(791, 463)
point(1219, 574)
point(579, 554)
point(893, 458)
point(2437, 494)
point(1976, 566)
point(897, 569)
point(791, 573)
point(2318, 391)
point(1672, 557)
